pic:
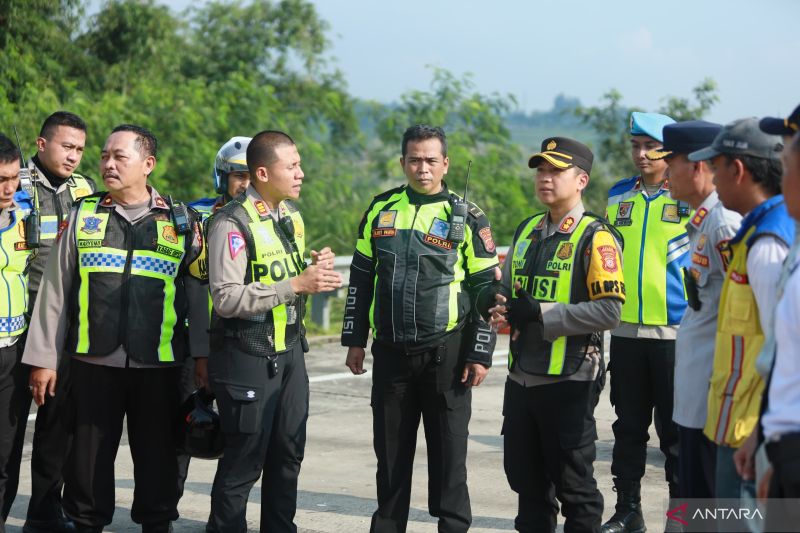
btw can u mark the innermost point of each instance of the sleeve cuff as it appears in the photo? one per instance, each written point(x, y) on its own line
point(284, 291)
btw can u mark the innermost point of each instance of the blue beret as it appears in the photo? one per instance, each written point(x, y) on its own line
point(650, 124)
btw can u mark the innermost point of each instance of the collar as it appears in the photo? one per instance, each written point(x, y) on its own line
point(51, 181)
point(639, 185)
point(570, 221)
point(702, 211)
point(262, 207)
point(754, 217)
point(416, 198)
point(156, 200)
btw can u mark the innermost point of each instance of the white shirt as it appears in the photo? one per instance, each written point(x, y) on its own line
point(783, 413)
point(764, 261)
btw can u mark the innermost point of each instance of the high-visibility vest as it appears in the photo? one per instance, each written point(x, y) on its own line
point(126, 292)
point(734, 396)
point(656, 249)
point(272, 257)
point(14, 258)
point(552, 269)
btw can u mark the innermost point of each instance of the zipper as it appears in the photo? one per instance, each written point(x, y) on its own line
point(641, 255)
point(126, 275)
point(405, 278)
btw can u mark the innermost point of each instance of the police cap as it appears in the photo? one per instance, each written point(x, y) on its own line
point(685, 137)
point(781, 126)
point(649, 124)
point(562, 153)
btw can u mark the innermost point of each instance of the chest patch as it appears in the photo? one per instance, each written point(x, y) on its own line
point(386, 219)
point(624, 210)
point(91, 225)
point(670, 213)
point(439, 228)
point(565, 250)
point(436, 241)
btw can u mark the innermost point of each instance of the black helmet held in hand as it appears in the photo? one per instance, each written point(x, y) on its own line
point(198, 429)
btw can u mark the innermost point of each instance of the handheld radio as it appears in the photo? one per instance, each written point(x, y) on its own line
point(28, 178)
point(458, 214)
point(180, 214)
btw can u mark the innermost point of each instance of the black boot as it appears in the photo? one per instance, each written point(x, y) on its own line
point(628, 516)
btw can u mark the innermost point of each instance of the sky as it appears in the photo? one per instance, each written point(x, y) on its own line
point(535, 50)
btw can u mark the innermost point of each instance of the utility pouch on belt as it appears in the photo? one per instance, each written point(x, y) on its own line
point(692, 292)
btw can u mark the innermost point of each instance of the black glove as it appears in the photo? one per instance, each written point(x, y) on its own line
point(524, 309)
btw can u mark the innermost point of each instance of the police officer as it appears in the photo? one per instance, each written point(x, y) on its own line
point(54, 188)
point(710, 229)
point(231, 176)
point(16, 256)
point(257, 371)
point(747, 173)
point(751, 458)
point(423, 257)
point(642, 349)
point(565, 285)
point(231, 179)
point(115, 299)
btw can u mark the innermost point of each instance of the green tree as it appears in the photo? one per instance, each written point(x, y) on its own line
point(610, 120)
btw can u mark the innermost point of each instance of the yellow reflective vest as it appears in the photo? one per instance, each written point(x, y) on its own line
point(734, 396)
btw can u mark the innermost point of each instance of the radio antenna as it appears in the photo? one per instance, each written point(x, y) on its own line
point(22, 156)
point(466, 184)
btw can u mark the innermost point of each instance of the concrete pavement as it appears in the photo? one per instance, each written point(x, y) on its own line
point(337, 482)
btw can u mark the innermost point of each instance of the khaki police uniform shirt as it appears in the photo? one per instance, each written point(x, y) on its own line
point(47, 332)
point(227, 267)
point(710, 229)
point(5, 220)
point(561, 320)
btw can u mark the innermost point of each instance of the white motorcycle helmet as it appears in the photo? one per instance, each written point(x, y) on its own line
point(232, 157)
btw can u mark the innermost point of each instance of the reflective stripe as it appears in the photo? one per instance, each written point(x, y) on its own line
point(103, 261)
point(145, 265)
point(48, 227)
point(12, 324)
point(737, 355)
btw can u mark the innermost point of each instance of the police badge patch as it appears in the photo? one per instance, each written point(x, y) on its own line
point(488, 242)
point(670, 213)
point(386, 219)
point(609, 257)
point(91, 225)
point(169, 234)
point(564, 251)
point(235, 243)
point(624, 210)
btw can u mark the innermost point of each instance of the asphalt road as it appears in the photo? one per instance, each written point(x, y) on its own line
point(337, 482)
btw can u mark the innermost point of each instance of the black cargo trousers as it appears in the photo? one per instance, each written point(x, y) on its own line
point(264, 420)
point(405, 388)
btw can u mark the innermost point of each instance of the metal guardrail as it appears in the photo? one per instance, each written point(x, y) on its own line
point(321, 303)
